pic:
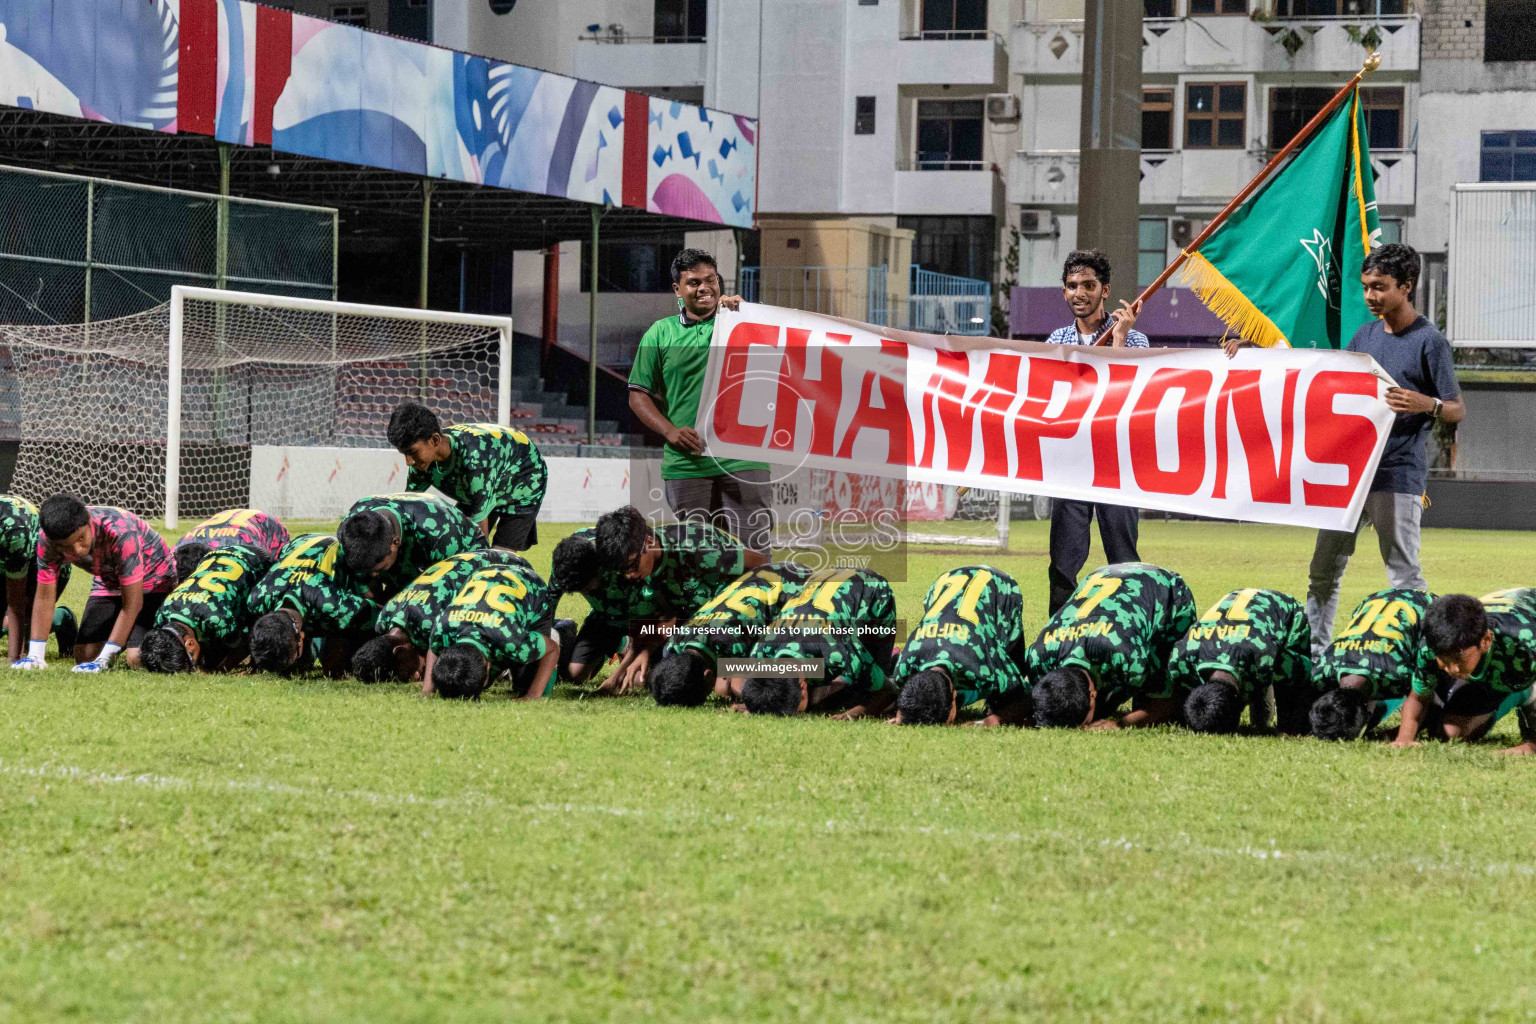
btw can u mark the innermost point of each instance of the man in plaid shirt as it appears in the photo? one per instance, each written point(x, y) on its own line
point(1085, 286)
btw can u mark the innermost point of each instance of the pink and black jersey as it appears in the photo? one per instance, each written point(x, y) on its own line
point(245, 527)
point(126, 550)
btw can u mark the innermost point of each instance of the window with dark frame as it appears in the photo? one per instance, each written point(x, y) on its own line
point(1151, 249)
point(863, 115)
point(1218, 6)
point(1383, 116)
point(350, 14)
point(681, 21)
point(963, 246)
point(1334, 8)
point(1215, 115)
point(949, 134)
point(1291, 108)
point(1508, 156)
point(1157, 118)
point(954, 19)
point(1509, 31)
point(1159, 9)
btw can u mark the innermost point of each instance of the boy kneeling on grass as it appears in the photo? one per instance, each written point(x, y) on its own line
point(1488, 648)
point(133, 573)
point(682, 564)
point(846, 619)
point(501, 620)
point(728, 626)
point(205, 624)
point(968, 647)
point(1253, 647)
point(1110, 643)
point(1371, 666)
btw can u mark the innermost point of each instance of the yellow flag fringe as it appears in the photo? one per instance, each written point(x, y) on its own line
point(1224, 299)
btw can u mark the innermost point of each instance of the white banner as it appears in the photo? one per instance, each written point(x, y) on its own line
point(1286, 436)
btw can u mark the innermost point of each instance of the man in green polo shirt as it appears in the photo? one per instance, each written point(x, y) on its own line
point(664, 393)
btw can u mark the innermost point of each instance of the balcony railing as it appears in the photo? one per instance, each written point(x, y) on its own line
point(1050, 177)
point(1177, 45)
point(951, 34)
point(923, 163)
point(616, 35)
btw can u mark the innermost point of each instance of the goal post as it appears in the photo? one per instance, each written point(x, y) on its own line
point(217, 399)
point(358, 335)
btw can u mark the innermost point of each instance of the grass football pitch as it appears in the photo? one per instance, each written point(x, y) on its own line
point(249, 848)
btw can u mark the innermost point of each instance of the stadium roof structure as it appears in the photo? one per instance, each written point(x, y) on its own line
point(372, 201)
point(312, 111)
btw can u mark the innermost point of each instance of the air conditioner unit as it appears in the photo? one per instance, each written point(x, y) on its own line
point(1181, 230)
point(1038, 224)
point(1002, 106)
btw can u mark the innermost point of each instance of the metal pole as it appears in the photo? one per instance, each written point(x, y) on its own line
point(1109, 135)
point(597, 216)
point(90, 230)
point(221, 281)
point(173, 412)
point(740, 256)
point(426, 256)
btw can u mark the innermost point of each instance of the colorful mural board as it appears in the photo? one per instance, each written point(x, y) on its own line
point(252, 75)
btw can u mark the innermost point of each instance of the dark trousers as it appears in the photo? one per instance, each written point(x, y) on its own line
point(1118, 526)
point(739, 503)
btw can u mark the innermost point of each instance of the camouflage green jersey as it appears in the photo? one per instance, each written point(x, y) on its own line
point(972, 628)
point(697, 561)
point(503, 613)
point(1120, 624)
point(430, 531)
point(417, 607)
point(846, 617)
point(490, 469)
point(18, 536)
point(734, 620)
point(1381, 643)
point(1509, 665)
point(305, 579)
point(214, 602)
point(618, 600)
point(1261, 637)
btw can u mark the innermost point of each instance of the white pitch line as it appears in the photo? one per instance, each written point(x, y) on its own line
point(1179, 842)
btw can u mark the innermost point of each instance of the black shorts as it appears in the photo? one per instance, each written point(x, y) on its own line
point(513, 531)
point(1468, 700)
point(598, 640)
point(101, 613)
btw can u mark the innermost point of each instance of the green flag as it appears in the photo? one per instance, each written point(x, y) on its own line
point(1285, 267)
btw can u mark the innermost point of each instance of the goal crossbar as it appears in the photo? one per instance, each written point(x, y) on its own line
point(181, 295)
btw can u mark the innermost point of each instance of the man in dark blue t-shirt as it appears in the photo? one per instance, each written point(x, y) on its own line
point(1418, 358)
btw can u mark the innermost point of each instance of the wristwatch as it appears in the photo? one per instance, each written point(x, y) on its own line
point(1438, 406)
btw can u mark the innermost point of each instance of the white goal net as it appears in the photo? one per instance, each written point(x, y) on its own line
point(175, 411)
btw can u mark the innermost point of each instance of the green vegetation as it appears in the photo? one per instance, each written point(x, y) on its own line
point(248, 848)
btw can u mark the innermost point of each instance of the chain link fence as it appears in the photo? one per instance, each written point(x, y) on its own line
point(77, 250)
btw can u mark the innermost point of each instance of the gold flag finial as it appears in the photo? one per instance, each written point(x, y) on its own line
point(1372, 62)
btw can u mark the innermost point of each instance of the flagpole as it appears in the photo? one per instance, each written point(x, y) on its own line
point(1372, 62)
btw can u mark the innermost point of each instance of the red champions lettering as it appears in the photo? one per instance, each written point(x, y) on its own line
point(1032, 426)
point(999, 387)
point(1106, 446)
point(945, 396)
point(1269, 470)
point(1196, 385)
point(824, 394)
point(734, 380)
point(1332, 436)
point(891, 415)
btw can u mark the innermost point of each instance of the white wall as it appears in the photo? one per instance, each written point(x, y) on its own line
point(321, 483)
point(1450, 142)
